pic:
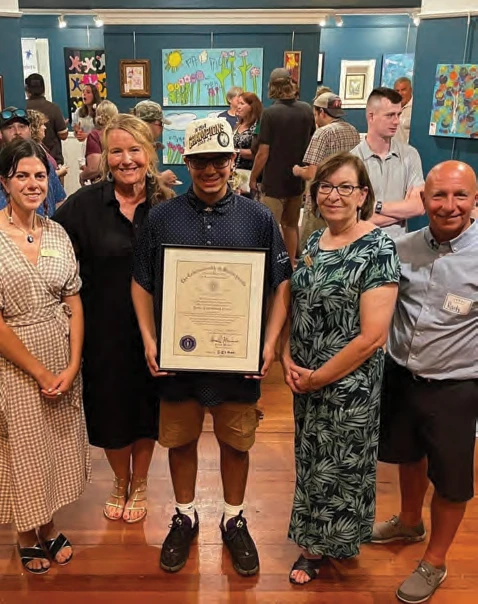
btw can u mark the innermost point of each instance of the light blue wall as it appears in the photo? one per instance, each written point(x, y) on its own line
point(11, 61)
point(364, 38)
point(73, 36)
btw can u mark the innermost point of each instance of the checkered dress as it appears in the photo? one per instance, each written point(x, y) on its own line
point(44, 456)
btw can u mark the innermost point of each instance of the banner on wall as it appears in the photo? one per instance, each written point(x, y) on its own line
point(83, 66)
point(174, 133)
point(397, 66)
point(203, 76)
point(455, 101)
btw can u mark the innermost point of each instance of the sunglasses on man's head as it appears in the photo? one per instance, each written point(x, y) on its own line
point(201, 163)
point(7, 114)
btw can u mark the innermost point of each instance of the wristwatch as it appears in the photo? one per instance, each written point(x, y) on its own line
point(378, 207)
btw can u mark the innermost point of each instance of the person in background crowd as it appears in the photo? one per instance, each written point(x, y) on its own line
point(430, 391)
point(395, 169)
point(404, 88)
point(56, 126)
point(209, 214)
point(285, 132)
point(152, 113)
point(38, 122)
point(83, 120)
point(343, 295)
point(91, 171)
point(44, 452)
point(333, 135)
point(14, 124)
point(232, 97)
point(120, 396)
point(248, 112)
point(321, 90)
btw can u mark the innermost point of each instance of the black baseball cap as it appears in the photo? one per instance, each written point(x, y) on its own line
point(12, 114)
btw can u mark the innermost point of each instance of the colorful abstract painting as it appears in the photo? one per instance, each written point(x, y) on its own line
point(292, 62)
point(455, 101)
point(173, 133)
point(83, 67)
point(202, 77)
point(397, 66)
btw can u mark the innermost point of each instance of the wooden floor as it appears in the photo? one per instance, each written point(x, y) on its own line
point(118, 563)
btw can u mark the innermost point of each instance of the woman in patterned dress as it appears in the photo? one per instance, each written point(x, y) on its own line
point(44, 457)
point(343, 297)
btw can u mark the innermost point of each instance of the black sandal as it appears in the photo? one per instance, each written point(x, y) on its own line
point(309, 566)
point(54, 547)
point(27, 554)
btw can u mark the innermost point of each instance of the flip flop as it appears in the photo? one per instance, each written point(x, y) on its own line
point(308, 566)
point(54, 547)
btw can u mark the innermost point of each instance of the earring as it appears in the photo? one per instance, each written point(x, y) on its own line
point(149, 175)
point(109, 176)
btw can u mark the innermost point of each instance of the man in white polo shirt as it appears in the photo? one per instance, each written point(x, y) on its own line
point(394, 168)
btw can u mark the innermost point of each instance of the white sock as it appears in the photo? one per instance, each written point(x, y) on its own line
point(187, 509)
point(230, 511)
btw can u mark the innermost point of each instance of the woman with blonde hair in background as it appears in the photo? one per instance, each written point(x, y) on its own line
point(38, 122)
point(104, 221)
point(91, 171)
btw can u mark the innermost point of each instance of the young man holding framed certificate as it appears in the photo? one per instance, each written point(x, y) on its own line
point(205, 265)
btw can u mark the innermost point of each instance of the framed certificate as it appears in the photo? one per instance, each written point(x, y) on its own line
point(212, 310)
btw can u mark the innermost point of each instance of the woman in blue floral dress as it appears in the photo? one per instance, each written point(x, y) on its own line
point(343, 296)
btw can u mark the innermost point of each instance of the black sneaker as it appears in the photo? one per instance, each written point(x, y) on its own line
point(240, 544)
point(175, 550)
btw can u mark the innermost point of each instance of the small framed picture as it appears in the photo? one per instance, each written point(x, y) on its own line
point(354, 87)
point(135, 78)
point(2, 97)
point(292, 62)
point(320, 68)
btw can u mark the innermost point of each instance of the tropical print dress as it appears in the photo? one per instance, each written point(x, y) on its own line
point(336, 427)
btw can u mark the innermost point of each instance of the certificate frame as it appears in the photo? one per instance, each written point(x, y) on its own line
point(212, 309)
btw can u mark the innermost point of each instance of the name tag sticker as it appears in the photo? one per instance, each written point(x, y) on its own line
point(49, 253)
point(457, 305)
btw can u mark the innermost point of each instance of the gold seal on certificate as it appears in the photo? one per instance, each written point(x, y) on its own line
point(212, 309)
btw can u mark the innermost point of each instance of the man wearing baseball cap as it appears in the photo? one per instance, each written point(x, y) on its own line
point(285, 132)
point(209, 214)
point(152, 113)
point(333, 135)
point(14, 124)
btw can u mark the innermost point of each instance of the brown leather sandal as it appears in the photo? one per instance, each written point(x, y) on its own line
point(137, 494)
point(120, 491)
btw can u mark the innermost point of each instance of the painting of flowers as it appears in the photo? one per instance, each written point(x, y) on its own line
point(292, 60)
point(455, 101)
point(202, 77)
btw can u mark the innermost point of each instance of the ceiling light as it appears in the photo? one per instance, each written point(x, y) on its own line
point(98, 21)
point(416, 19)
point(323, 21)
point(61, 22)
point(339, 21)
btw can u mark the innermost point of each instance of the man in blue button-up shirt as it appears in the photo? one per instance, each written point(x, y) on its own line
point(430, 389)
point(209, 214)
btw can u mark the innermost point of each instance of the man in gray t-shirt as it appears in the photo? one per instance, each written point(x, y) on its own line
point(285, 132)
point(395, 169)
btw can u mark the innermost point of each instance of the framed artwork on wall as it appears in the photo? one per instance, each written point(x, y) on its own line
point(356, 82)
point(135, 78)
point(354, 87)
point(83, 66)
point(292, 62)
point(2, 97)
point(320, 68)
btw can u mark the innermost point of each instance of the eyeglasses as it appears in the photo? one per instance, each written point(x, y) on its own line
point(201, 163)
point(325, 188)
point(7, 114)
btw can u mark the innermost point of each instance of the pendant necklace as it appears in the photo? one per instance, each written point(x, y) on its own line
point(30, 238)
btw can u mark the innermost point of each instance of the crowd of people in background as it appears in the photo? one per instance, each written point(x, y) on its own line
point(375, 326)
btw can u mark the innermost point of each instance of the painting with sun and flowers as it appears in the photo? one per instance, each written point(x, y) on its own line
point(174, 132)
point(455, 101)
point(202, 77)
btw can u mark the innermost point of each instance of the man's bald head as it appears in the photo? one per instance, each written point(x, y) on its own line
point(450, 197)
